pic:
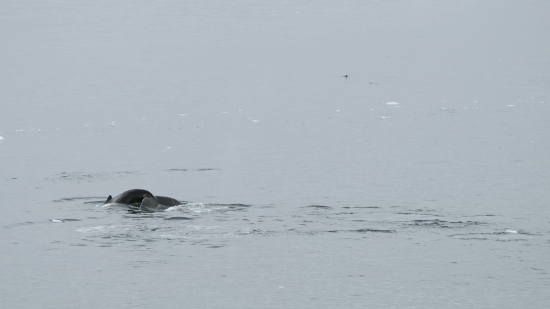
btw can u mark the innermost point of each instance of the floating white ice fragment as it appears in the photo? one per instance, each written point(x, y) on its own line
point(56, 221)
point(511, 231)
point(392, 103)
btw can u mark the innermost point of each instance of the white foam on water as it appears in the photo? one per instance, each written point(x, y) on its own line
point(392, 103)
point(197, 207)
point(103, 228)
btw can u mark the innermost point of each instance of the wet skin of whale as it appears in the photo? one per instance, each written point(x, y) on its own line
point(144, 199)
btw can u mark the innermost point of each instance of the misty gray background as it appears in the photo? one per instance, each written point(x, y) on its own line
point(307, 190)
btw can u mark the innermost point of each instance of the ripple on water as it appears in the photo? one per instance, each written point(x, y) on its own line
point(437, 223)
point(508, 235)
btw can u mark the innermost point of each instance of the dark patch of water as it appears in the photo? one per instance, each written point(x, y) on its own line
point(319, 206)
point(178, 218)
point(192, 169)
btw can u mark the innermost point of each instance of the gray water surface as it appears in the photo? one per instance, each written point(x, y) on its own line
point(303, 188)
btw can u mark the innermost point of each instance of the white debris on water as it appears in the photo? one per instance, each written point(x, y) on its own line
point(511, 231)
point(56, 221)
point(392, 103)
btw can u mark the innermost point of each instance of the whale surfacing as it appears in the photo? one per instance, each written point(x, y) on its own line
point(144, 199)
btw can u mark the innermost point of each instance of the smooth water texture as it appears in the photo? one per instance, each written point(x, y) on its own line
point(331, 154)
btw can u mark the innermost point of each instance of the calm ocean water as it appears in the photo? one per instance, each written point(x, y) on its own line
point(420, 180)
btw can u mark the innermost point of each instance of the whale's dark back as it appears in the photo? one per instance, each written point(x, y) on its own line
point(134, 196)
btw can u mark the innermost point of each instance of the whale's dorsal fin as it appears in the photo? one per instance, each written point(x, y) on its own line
point(148, 204)
point(108, 199)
